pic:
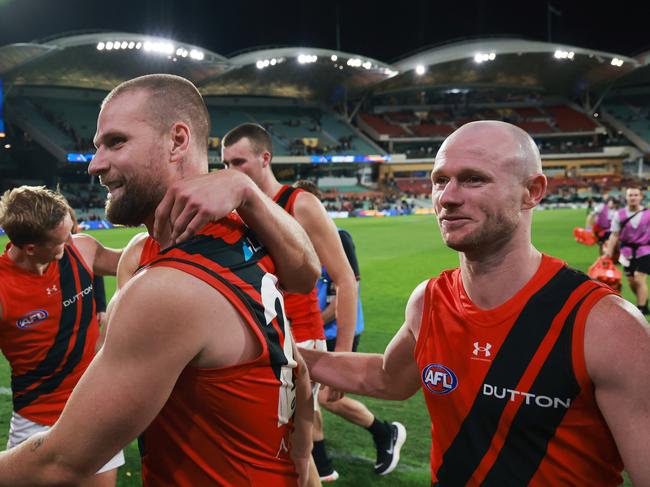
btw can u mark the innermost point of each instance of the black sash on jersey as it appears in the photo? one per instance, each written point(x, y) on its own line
point(285, 197)
point(49, 371)
point(231, 256)
point(522, 451)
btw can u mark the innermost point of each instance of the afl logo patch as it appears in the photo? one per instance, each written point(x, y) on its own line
point(31, 319)
point(439, 379)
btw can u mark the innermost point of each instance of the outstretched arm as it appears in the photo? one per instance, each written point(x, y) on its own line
point(617, 355)
point(393, 375)
point(191, 203)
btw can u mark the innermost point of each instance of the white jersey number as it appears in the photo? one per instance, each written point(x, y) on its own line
point(287, 400)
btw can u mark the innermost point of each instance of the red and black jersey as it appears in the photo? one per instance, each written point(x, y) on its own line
point(48, 332)
point(302, 309)
point(507, 389)
point(227, 426)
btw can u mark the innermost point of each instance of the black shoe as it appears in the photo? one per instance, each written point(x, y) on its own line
point(644, 309)
point(388, 455)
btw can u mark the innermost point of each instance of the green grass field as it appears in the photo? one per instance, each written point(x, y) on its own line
point(395, 255)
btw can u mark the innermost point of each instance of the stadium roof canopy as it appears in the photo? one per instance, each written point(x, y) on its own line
point(101, 60)
point(299, 72)
point(512, 63)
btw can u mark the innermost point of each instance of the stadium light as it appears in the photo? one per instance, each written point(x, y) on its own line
point(138, 45)
point(617, 62)
point(560, 54)
point(100, 46)
point(367, 65)
point(419, 70)
point(109, 45)
point(273, 62)
point(197, 55)
point(7, 146)
point(125, 44)
point(131, 45)
point(482, 57)
point(334, 57)
point(307, 58)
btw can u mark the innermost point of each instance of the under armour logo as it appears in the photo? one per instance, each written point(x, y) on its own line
point(483, 350)
point(51, 290)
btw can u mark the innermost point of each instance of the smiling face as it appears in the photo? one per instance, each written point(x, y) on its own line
point(130, 159)
point(479, 186)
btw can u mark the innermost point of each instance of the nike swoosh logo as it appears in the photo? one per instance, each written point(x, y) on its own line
point(390, 450)
point(377, 465)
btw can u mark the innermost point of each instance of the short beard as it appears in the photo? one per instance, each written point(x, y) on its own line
point(137, 203)
point(495, 235)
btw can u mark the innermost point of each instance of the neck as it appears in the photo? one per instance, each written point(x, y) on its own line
point(270, 186)
point(22, 260)
point(490, 281)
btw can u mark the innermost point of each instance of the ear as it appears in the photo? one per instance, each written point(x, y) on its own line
point(29, 249)
point(534, 191)
point(180, 139)
point(266, 158)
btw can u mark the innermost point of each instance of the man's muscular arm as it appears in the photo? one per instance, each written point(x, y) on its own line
point(191, 203)
point(301, 437)
point(617, 356)
point(393, 375)
point(322, 232)
point(126, 384)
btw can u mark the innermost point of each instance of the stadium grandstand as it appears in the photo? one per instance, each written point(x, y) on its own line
point(365, 130)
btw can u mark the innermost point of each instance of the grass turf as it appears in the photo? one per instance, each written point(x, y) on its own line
point(395, 254)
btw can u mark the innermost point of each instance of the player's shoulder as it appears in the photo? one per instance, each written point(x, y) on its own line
point(415, 307)
point(307, 201)
point(136, 244)
point(86, 245)
point(166, 291)
point(617, 337)
point(81, 240)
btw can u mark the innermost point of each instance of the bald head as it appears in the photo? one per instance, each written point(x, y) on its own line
point(492, 140)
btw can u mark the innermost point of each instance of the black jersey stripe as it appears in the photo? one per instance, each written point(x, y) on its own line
point(479, 426)
point(285, 196)
point(57, 351)
point(533, 426)
point(76, 354)
point(276, 353)
point(232, 256)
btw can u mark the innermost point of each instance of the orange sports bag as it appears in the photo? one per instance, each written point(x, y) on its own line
point(584, 236)
point(605, 271)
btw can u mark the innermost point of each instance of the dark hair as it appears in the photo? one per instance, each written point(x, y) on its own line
point(259, 138)
point(308, 186)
